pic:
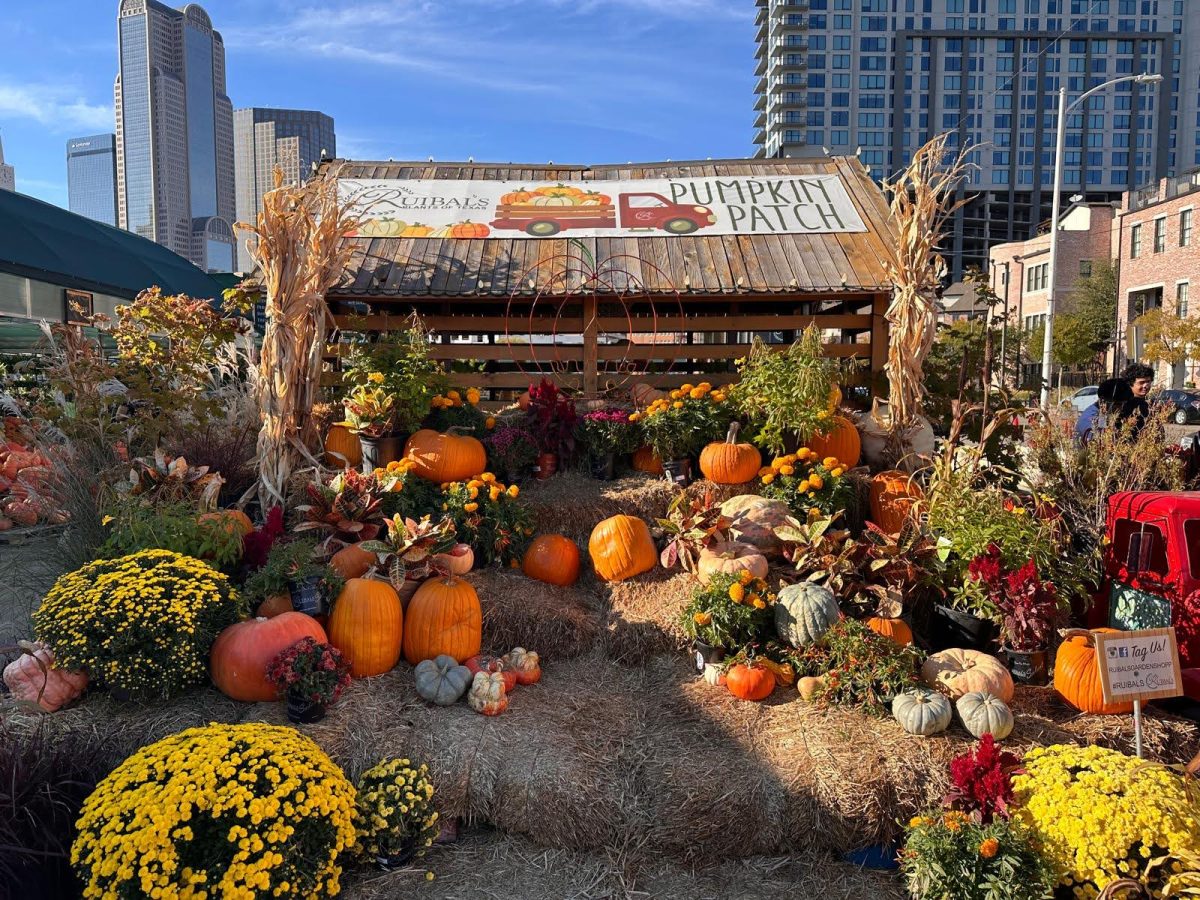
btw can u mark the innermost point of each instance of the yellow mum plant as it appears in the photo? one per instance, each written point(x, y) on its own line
point(396, 818)
point(222, 811)
point(1099, 815)
point(141, 624)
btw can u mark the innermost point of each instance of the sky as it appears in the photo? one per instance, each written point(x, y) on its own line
point(572, 81)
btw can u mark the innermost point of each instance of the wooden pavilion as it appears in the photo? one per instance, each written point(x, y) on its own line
point(596, 310)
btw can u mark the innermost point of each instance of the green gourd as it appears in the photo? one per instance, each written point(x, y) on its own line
point(442, 680)
point(983, 713)
point(804, 612)
point(922, 712)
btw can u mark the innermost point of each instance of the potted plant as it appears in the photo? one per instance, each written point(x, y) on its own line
point(1028, 610)
point(391, 831)
point(347, 510)
point(691, 526)
point(606, 433)
point(292, 576)
point(371, 412)
point(407, 553)
point(551, 420)
point(678, 426)
point(312, 675)
point(511, 450)
point(731, 612)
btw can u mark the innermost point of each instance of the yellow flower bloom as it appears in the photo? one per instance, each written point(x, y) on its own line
point(495, 493)
point(737, 593)
point(685, 389)
point(472, 396)
point(816, 482)
point(471, 507)
point(513, 490)
point(375, 378)
point(490, 423)
point(837, 471)
point(696, 394)
point(635, 417)
point(678, 404)
point(675, 395)
point(106, 520)
point(829, 462)
point(757, 602)
point(787, 470)
point(453, 395)
point(989, 848)
point(702, 618)
point(768, 478)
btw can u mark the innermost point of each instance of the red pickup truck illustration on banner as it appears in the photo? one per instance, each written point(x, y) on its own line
point(545, 211)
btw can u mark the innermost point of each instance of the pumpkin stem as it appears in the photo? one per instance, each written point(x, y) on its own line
point(731, 437)
point(1069, 633)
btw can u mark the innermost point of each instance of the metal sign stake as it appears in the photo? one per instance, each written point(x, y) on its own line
point(1137, 727)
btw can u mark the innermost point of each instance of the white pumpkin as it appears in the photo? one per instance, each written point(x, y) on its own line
point(753, 521)
point(804, 612)
point(983, 713)
point(922, 712)
point(713, 674)
point(730, 557)
point(956, 672)
point(874, 433)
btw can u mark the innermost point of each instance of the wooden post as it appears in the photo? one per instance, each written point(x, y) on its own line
point(591, 332)
point(879, 336)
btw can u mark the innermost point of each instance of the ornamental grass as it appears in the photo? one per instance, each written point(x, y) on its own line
point(1100, 816)
point(222, 811)
point(141, 624)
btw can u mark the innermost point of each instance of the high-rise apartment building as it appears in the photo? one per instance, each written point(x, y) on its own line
point(881, 77)
point(92, 177)
point(292, 139)
point(175, 132)
point(8, 177)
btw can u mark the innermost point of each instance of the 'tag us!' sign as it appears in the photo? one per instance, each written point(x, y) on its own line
point(1138, 665)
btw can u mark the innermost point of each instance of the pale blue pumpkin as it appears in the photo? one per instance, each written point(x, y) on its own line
point(442, 680)
point(804, 612)
point(922, 712)
point(983, 713)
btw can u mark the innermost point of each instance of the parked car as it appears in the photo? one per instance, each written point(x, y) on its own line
point(1083, 398)
point(1185, 405)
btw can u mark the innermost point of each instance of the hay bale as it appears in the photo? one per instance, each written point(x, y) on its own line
point(559, 623)
point(643, 616)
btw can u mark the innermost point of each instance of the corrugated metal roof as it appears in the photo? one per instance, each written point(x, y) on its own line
point(726, 264)
point(41, 241)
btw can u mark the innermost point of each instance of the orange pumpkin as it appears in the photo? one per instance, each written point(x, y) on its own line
point(469, 230)
point(232, 520)
point(241, 653)
point(621, 547)
point(416, 231)
point(646, 460)
point(275, 605)
point(524, 401)
point(553, 559)
point(895, 629)
point(352, 561)
point(1077, 674)
point(444, 616)
point(445, 457)
point(841, 442)
point(644, 394)
point(750, 682)
point(516, 197)
point(367, 625)
point(340, 440)
point(728, 462)
point(893, 496)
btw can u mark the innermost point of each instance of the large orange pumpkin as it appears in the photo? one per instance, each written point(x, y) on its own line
point(621, 547)
point(896, 629)
point(728, 462)
point(553, 559)
point(340, 440)
point(241, 653)
point(367, 625)
point(893, 495)
point(444, 617)
point(841, 442)
point(646, 460)
point(233, 520)
point(1077, 674)
point(352, 561)
point(750, 682)
point(445, 457)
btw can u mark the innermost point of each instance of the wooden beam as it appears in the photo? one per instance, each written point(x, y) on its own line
point(546, 353)
point(879, 333)
point(700, 323)
point(712, 351)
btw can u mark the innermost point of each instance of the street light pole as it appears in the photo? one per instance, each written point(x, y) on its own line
point(1060, 142)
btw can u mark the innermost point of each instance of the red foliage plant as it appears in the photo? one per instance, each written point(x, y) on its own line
point(982, 782)
point(551, 418)
point(1028, 605)
point(257, 544)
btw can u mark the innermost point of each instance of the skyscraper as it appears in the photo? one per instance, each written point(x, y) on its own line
point(883, 76)
point(175, 132)
point(8, 177)
point(92, 177)
point(292, 139)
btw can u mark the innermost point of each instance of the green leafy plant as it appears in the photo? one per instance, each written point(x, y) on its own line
point(731, 611)
point(370, 410)
point(290, 563)
point(459, 409)
point(406, 494)
point(488, 516)
point(316, 671)
point(133, 526)
point(691, 525)
point(395, 809)
point(410, 545)
point(786, 395)
point(607, 431)
point(860, 668)
point(684, 422)
point(805, 482)
point(399, 363)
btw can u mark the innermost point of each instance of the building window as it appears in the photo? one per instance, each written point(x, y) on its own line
point(1135, 241)
point(1160, 235)
point(1185, 228)
point(1181, 299)
point(1037, 277)
point(1085, 268)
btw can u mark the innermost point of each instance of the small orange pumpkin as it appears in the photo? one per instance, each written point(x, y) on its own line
point(367, 625)
point(445, 457)
point(621, 547)
point(553, 559)
point(895, 629)
point(444, 617)
point(1077, 674)
point(341, 441)
point(750, 682)
point(728, 462)
point(416, 231)
point(241, 653)
point(646, 460)
point(842, 442)
point(469, 230)
point(516, 197)
point(275, 605)
point(893, 496)
point(352, 561)
point(232, 520)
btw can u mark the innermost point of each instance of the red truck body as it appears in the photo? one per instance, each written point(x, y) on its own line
point(649, 211)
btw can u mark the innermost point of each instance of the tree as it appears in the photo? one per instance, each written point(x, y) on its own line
point(1095, 302)
point(1168, 338)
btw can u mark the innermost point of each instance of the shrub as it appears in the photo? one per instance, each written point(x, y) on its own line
point(806, 482)
point(732, 611)
point(395, 809)
point(230, 810)
point(134, 526)
point(141, 624)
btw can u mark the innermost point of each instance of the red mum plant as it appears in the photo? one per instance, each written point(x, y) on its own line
point(982, 782)
point(318, 672)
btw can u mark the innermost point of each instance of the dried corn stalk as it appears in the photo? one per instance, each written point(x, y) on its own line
point(300, 253)
point(923, 199)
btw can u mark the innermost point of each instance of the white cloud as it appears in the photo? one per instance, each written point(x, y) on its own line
point(56, 106)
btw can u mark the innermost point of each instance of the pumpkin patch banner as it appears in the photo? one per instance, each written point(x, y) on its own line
point(464, 209)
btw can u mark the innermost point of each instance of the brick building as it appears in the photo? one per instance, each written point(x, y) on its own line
point(1158, 254)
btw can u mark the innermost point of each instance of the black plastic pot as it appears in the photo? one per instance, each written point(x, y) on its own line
point(604, 467)
point(401, 858)
point(307, 596)
point(706, 653)
point(1029, 668)
point(955, 628)
point(303, 711)
point(678, 472)
point(378, 452)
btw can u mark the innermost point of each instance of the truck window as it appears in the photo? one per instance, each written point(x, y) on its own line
point(1150, 544)
point(643, 201)
point(1191, 535)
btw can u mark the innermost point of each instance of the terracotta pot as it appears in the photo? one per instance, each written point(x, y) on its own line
point(546, 466)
